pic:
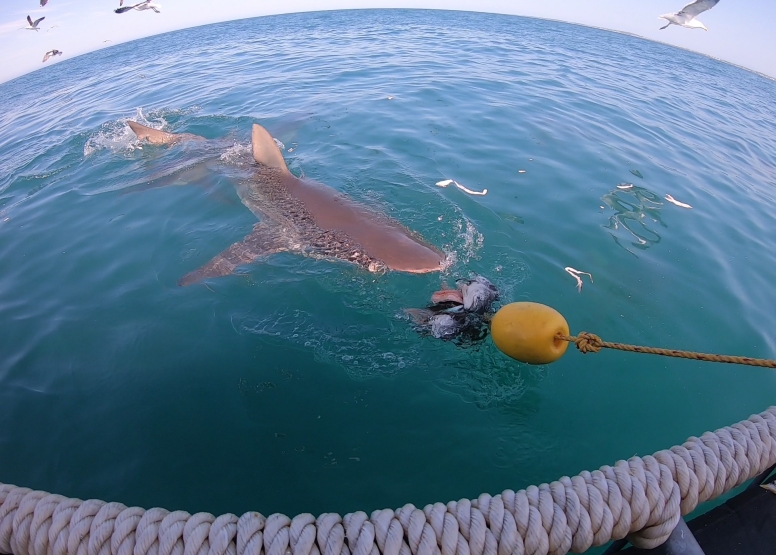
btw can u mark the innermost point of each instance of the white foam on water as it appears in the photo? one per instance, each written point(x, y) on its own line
point(117, 136)
point(465, 246)
point(238, 155)
point(114, 135)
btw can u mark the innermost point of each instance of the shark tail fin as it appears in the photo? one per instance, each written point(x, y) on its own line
point(265, 151)
point(153, 136)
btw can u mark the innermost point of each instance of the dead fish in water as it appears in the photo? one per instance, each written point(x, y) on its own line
point(447, 323)
point(479, 294)
point(461, 313)
point(446, 296)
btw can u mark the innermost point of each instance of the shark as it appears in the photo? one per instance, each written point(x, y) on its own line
point(303, 216)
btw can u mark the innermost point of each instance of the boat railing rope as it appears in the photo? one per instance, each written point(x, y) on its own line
point(642, 499)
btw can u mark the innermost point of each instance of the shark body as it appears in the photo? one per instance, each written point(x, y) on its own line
point(309, 218)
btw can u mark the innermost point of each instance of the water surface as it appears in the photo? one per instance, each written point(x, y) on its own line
point(298, 386)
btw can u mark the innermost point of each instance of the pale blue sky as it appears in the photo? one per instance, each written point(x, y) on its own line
point(740, 31)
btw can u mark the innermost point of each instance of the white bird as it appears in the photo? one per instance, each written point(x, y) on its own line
point(33, 24)
point(686, 17)
point(50, 53)
point(149, 6)
point(145, 5)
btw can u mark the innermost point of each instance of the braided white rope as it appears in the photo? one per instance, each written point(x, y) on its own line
point(642, 498)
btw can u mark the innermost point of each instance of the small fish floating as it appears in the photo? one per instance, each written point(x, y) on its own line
point(575, 274)
point(447, 182)
point(671, 199)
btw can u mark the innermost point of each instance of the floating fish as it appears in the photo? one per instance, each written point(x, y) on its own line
point(447, 182)
point(458, 313)
point(575, 274)
point(671, 199)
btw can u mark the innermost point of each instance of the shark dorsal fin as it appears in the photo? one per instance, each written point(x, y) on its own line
point(265, 151)
point(153, 136)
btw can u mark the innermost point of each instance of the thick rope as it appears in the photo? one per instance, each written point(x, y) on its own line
point(641, 499)
point(591, 343)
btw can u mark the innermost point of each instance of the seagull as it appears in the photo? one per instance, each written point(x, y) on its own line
point(145, 5)
point(127, 8)
point(33, 24)
point(686, 17)
point(50, 53)
point(149, 6)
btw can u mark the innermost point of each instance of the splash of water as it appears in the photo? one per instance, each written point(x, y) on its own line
point(116, 135)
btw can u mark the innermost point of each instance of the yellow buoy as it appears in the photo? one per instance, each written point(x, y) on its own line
point(526, 332)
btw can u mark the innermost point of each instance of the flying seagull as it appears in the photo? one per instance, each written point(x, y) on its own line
point(145, 5)
point(686, 17)
point(50, 53)
point(127, 8)
point(33, 24)
point(149, 6)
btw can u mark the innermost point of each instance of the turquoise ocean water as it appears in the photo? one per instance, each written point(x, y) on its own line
point(298, 386)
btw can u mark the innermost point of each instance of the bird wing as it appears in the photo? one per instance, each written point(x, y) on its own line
point(29, 20)
point(37, 21)
point(43, 3)
point(698, 7)
point(47, 56)
point(124, 9)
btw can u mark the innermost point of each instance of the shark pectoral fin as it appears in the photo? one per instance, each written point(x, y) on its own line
point(172, 177)
point(265, 151)
point(260, 242)
point(191, 174)
point(186, 176)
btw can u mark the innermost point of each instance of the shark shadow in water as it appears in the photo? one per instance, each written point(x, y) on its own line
point(305, 217)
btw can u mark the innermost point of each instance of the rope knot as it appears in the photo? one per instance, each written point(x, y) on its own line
point(588, 342)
